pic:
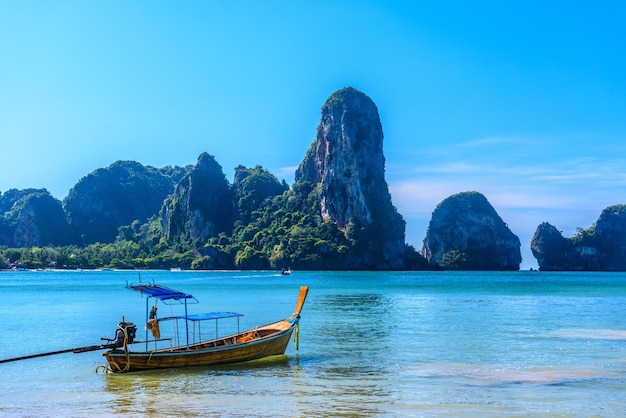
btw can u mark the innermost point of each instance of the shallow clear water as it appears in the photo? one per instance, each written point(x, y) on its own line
point(371, 344)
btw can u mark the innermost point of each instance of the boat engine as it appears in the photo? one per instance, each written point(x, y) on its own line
point(124, 334)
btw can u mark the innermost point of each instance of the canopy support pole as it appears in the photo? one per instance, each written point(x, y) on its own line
point(186, 323)
point(147, 305)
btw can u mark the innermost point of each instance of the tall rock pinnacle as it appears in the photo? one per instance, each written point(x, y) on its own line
point(346, 162)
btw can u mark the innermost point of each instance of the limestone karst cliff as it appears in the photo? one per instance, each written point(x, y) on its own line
point(600, 247)
point(111, 197)
point(466, 233)
point(337, 215)
point(201, 205)
point(32, 217)
point(347, 165)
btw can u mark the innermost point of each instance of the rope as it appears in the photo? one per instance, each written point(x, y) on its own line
point(249, 336)
point(126, 352)
point(111, 364)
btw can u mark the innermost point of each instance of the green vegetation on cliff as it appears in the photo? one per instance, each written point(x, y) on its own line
point(285, 230)
point(32, 217)
point(111, 197)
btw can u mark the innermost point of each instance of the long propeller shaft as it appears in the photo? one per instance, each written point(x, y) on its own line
point(69, 350)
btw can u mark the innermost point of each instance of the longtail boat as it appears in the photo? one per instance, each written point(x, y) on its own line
point(130, 355)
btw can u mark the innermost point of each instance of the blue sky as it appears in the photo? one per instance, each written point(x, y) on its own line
point(524, 102)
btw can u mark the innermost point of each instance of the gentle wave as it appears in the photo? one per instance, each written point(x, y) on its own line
point(500, 374)
point(594, 334)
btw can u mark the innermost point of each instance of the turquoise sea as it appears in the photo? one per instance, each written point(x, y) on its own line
point(432, 344)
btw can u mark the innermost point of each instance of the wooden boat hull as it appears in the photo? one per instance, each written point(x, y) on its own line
point(268, 341)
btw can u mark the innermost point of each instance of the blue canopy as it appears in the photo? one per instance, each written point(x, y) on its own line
point(162, 293)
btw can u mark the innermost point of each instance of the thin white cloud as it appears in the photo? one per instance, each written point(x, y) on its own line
point(496, 140)
point(288, 173)
point(451, 168)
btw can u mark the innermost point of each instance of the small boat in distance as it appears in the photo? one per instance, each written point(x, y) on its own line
point(129, 355)
point(285, 272)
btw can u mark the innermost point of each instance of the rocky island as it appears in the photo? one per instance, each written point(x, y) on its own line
point(600, 247)
point(466, 233)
